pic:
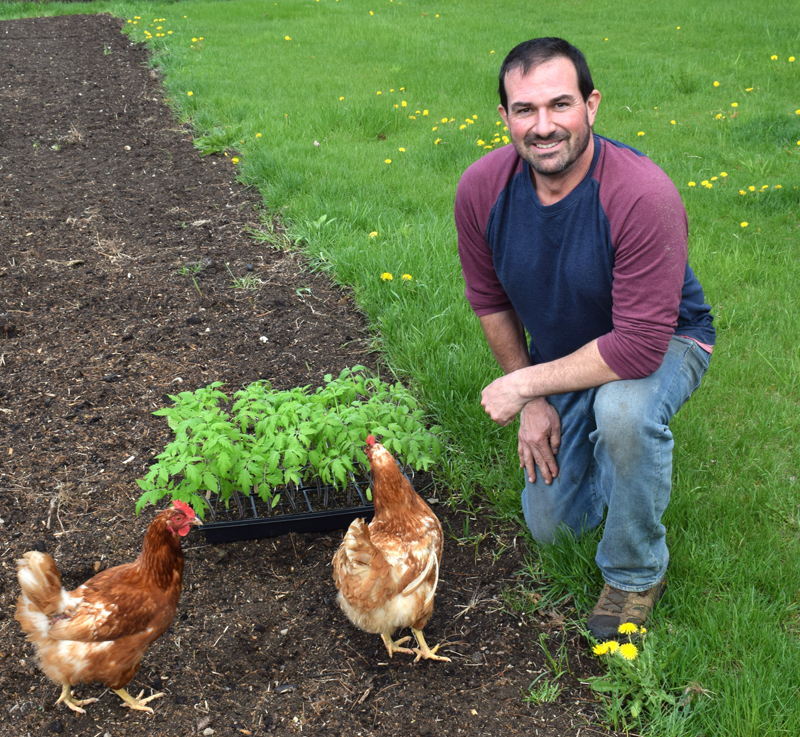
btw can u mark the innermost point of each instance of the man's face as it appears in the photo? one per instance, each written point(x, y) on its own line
point(549, 123)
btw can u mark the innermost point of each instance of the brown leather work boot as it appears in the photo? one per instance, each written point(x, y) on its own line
point(616, 607)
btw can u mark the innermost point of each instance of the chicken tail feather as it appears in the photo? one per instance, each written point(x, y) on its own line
point(40, 581)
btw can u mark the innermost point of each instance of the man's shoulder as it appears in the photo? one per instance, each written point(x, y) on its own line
point(625, 172)
point(494, 169)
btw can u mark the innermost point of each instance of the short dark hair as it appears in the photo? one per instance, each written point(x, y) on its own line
point(530, 54)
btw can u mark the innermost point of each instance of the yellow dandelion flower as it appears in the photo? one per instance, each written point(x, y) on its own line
point(492, 51)
point(401, 149)
point(718, 116)
point(481, 143)
point(436, 142)
point(371, 13)
point(424, 113)
point(749, 89)
point(791, 58)
point(474, 117)
point(378, 92)
point(723, 174)
point(629, 651)
point(505, 139)
point(406, 277)
point(642, 631)
point(402, 89)
point(287, 38)
point(396, 106)
point(392, 89)
point(452, 120)
point(462, 127)
point(704, 182)
point(387, 161)
point(341, 98)
point(404, 103)
point(744, 224)
point(386, 276)
point(797, 112)
point(679, 28)
point(605, 39)
point(373, 234)
point(692, 184)
point(778, 186)
point(765, 186)
point(640, 133)
point(194, 40)
point(742, 192)
point(600, 649)
point(774, 57)
point(734, 104)
point(235, 159)
point(672, 122)
point(613, 646)
point(627, 628)
point(444, 120)
point(412, 117)
point(714, 179)
point(716, 84)
point(435, 128)
point(190, 93)
point(499, 122)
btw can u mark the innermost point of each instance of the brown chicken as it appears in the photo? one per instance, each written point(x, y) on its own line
point(100, 631)
point(387, 571)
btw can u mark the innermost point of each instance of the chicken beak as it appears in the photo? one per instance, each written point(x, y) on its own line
point(196, 521)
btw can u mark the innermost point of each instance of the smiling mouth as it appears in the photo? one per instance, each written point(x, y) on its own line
point(546, 146)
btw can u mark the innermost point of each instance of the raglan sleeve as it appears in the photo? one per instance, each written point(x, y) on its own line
point(473, 205)
point(649, 235)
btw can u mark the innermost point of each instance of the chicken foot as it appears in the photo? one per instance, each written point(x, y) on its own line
point(74, 704)
point(393, 646)
point(138, 702)
point(423, 651)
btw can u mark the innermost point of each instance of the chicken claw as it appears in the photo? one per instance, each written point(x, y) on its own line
point(74, 704)
point(138, 702)
point(393, 646)
point(423, 651)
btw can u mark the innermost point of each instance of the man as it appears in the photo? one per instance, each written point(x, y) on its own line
point(582, 242)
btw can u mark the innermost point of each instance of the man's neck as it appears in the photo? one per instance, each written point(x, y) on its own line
point(553, 188)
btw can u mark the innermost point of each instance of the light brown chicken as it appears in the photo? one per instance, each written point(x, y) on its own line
point(101, 630)
point(387, 571)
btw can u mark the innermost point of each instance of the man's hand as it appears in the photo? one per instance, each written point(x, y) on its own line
point(539, 439)
point(503, 400)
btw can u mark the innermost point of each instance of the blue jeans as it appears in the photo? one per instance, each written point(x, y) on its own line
point(616, 453)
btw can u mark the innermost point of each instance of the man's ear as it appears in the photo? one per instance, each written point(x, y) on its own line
point(592, 103)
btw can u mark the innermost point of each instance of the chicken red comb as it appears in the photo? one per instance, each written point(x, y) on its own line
point(371, 440)
point(183, 507)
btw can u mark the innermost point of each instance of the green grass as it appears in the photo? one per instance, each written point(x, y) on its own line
point(730, 621)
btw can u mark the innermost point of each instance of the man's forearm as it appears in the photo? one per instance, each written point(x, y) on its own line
point(583, 369)
point(506, 338)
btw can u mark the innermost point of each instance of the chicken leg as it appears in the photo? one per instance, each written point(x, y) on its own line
point(423, 651)
point(138, 702)
point(74, 704)
point(393, 646)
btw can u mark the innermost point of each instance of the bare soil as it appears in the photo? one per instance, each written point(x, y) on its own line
point(119, 250)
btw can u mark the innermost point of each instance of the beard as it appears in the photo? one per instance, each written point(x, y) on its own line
point(548, 164)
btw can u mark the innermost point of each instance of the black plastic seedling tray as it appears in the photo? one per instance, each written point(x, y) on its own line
point(313, 508)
